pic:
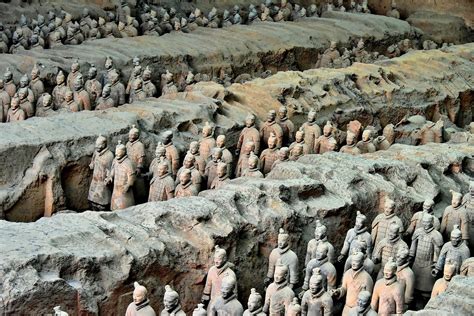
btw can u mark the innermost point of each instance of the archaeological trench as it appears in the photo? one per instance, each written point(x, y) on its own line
point(56, 250)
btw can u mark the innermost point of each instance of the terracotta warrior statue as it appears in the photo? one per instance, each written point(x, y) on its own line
point(269, 155)
point(207, 142)
point(366, 145)
point(59, 90)
point(161, 184)
point(405, 276)
point(299, 140)
point(242, 163)
point(283, 156)
point(122, 175)
point(252, 170)
point(388, 296)
point(327, 269)
point(199, 162)
point(329, 56)
point(189, 163)
point(117, 88)
point(415, 222)
point(93, 86)
point(136, 153)
point(455, 250)
point(185, 186)
point(296, 152)
point(140, 305)
point(450, 270)
point(81, 96)
point(105, 101)
point(325, 142)
point(199, 310)
point(388, 247)
point(279, 294)
point(353, 281)
point(363, 305)
point(211, 167)
point(171, 151)
point(15, 112)
point(455, 214)
point(36, 84)
point(45, 107)
point(4, 102)
point(286, 125)
point(467, 267)
point(249, 134)
point(286, 256)
point(359, 231)
point(226, 154)
point(171, 303)
point(350, 147)
point(148, 87)
point(360, 245)
point(254, 304)
point(25, 103)
point(99, 193)
point(137, 93)
point(75, 72)
point(9, 84)
point(381, 223)
point(271, 126)
point(295, 308)
point(320, 237)
point(227, 303)
point(215, 276)
point(316, 301)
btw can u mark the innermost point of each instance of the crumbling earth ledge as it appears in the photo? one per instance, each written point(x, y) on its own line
point(87, 262)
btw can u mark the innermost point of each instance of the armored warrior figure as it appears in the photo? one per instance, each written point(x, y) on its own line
point(350, 147)
point(405, 276)
point(254, 304)
point(59, 90)
point(388, 247)
point(393, 12)
point(105, 101)
point(171, 303)
point(249, 134)
point(316, 301)
point(252, 170)
point(45, 108)
point(415, 222)
point(327, 269)
point(69, 104)
point(25, 104)
point(320, 237)
point(329, 56)
point(171, 151)
point(117, 89)
point(137, 93)
point(148, 87)
point(271, 126)
point(325, 142)
point(99, 193)
point(207, 142)
point(15, 113)
point(211, 166)
point(286, 125)
point(122, 175)
point(269, 155)
point(279, 294)
point(189, 163)
point(226, 154)
point(81, 96)
point(199, 162)
point(450, 270)
point(283, 156)
point(242, 163)
point(366, 145)
point(286, 256)
point(9, 85)
point(296, 152)
point(71, 78)
point(36, 84)
point(140, 305)
point(136, 153)
point(455, 214)
point(360, 245)
point(199, 310)
point(227, 303)
point(467, 267)
point(4, 102)
point(455, 250)
point(93, 86)
point(222, 176)
point(185, 186)
point(299, 140)
point(161, 184)
point(24, 85)
point(388, 296)
point(359, 231)
point(363, 305)
point(381, 223)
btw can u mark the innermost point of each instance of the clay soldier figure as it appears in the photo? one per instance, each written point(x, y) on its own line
point(69, 104)
point(71, 78)
point(286, 125)
point(327, 269)
point(199, 310)
point(207, 142)
point(455, 214)
point(269, 155)
point(171, 303)
point(271, 126)
point(109, 68)
point(325, 142)
point(252, 170)
point(199, 162)
point(26, 104)
point(329, 56)
point(171, 151)
point(366, 145)
point(93, 86)
point(359, 231)
point(286, 256)
point(360, 245)
point(299, 140)
point(162, 184)
point(363, 305)
point(221, 269)
point(381, 223)
point(416, 219)
point(122, 175)
point(254, 304)
point(279, 294)
point(353, 281)
point(388, 247)
point(316, 301)
point(105, 101)
point(15, 113)
point(211, 167)
point(320, 237)
point(393, 12)
point(59, 90)
point(137, 93)
point(8, 83)
point(189, 163)
point(36, 84)
point(168, 86)
point(4, 102)
point(388, 296)
point(249, 134)
point(226, 154)
point(140, 305)
point(46, 107)
point(297, 152)
point(136, 75)
point(148, 87)
point(350, 147)
point(185, 186)
point(136, 154)
point(405, 276)
point(227, 303)
point(450, 270)
point(242, 163)
point(283, 156)
point(81, 96)
point(117, 89)
point(467, 267)
point(99, 193)
point(454, 249)
point(295, 308)
point(222, 176)
point(359, 52)
point(24, 84)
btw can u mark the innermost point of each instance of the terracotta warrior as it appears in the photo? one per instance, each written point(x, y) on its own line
point(36, 84)
point(296, 152)
point(122, 175)
point(283, 156)
point(171, 151)
point(299, 140)
point(405, 276)
point(325, 142)
point(69, 104)
point(388, 296)
point(350, 147)
point(15, 112)
point(295, 308)
point(363, 305)
point(271, 126)
point(366, 145)
point(455, 214)
point(360, 245)
point(136, 74)
point(249, 134)
point(168, 86)
point(24, 84)
point(199, 310)
point(171, 303)
point(381, 223)
point(226, 154)
point(9, 84)
point(189, 163)
point(59, 90)
point(81, 96)
point(327, 269)
point(211, 167)
point(286, 125)
point(117, 88)
point(286, 256)
point(199, 162)
point(242, 163)
point(279, 294)
point(252, 170)
point(185, 186)
point(93, 86)
point(207, 142)
point(161, 184)
point(329, 56)
point(99, 193)
point(388, 247)
point(450, 270)
point(215, 276)
point(4, 102)
point(148, 87)
point(358, 232)
point(136, 154)
point(105, 101)
point(467, 267)
point(393, 12)
point(320, 237)
point(353, 281)
point(254, 304)
point(416, 219)
point(311, 131)
point(455, 250)
point(71, 78)
point(316, 301)
point(140, 305)
point(227, 303)
point(45, 107)
point(269, 155)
